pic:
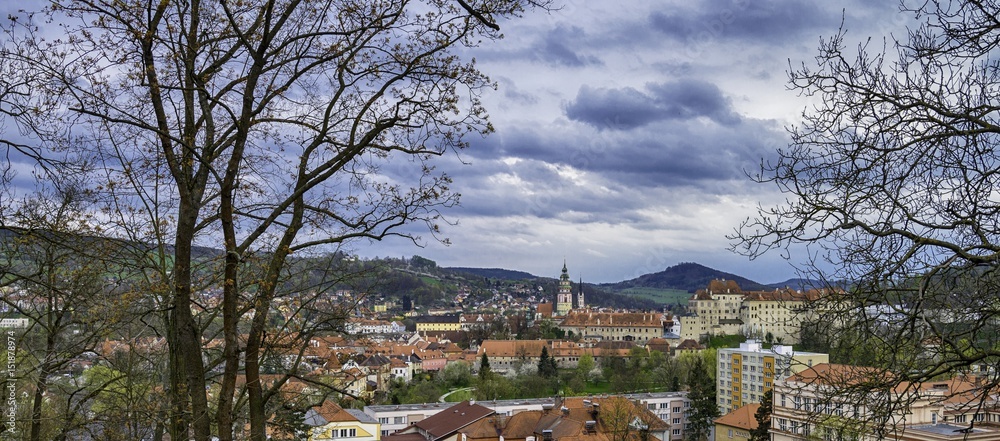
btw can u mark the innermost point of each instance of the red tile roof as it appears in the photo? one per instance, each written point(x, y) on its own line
point(741, 418)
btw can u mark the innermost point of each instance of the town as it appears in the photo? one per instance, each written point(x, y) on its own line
point(210, 209)
point(527, 364)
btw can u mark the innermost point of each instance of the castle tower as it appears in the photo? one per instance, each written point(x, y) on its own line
point(564, 299)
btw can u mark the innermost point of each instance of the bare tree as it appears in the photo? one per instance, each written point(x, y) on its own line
point(891, 181)
point(74, 289)
point(264, 128)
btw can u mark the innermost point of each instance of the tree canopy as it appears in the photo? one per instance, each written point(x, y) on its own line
point(264, 128)
point(890, 180)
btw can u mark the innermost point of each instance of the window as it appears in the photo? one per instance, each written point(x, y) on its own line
point(399, 420)
point(783, 424)
point(783, 400)
point(798, 403)
point(677, 409)
point(676, 431)
point(675, 421)
point(730, 433)
point(652, 406)
point(959, 418)
point(664, 405)
point(348, 433)
point(383, 420)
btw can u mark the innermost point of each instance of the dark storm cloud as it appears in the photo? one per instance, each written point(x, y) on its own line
point(764, 21)
point(628, 108)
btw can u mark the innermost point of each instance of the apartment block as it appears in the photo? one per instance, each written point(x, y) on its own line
point(745, 373)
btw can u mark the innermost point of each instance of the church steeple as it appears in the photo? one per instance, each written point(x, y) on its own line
point(579, 296)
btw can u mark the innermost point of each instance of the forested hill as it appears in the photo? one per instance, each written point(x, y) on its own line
point(493, 273)
point(685, 276)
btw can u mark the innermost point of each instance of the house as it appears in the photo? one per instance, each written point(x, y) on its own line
point(736, 425)
point(444, 425)
point(329, 422)
point(575, 418)
point(688, 346)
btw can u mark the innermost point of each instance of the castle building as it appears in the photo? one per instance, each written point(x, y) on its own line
point(564, 299)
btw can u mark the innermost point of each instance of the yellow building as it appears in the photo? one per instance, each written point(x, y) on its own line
point(329, 421)
point(438, 323)
point(736, 425)
point(746, 373)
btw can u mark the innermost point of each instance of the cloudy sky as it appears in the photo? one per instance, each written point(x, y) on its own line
point(624, 130)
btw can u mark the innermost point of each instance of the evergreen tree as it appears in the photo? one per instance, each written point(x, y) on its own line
point(547, 365)
point(763, 417)
point(704, 411)
point(484, 367)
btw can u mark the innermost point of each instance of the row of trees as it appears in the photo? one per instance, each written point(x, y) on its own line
point(265, 129)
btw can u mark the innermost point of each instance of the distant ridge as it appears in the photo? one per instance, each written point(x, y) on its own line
point(686, 276)
point(492, 273)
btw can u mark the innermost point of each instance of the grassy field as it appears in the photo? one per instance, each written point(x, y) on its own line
point(665, 296)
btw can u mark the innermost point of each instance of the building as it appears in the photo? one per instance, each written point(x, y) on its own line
point(437, 323)
point(443, 425)
point(824, 402)
point(564, 298)
point(669, 407)
point(638, 327)
point(736, 425)
point(725, 309)
point(745, 373)
point(329, 422)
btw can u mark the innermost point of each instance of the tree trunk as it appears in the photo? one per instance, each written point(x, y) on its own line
point(188, 340)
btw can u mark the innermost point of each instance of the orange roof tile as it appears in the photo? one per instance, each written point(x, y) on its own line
point(742, 418)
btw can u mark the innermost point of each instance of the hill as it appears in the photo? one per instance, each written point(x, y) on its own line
point(492, 273)
point(686, 276)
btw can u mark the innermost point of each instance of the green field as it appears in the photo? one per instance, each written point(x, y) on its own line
point(658, 295)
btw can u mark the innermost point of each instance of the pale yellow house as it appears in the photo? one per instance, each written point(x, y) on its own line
point(329, 421)
point(736, 425)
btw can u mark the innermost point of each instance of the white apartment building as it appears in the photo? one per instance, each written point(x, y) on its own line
point(745, 373)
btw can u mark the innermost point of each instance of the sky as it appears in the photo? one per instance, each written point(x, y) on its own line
point(624, 132)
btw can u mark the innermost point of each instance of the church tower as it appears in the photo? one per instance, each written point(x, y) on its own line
point(579, 296)
point(564, 299)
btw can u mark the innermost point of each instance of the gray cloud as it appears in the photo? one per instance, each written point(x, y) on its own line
point(628, 108)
